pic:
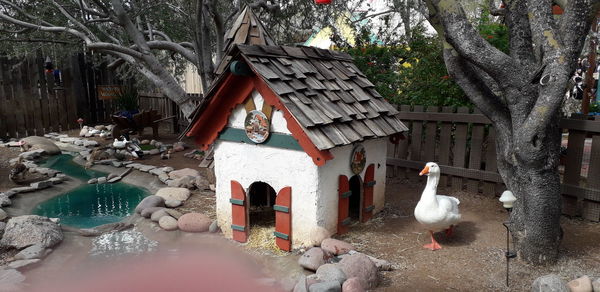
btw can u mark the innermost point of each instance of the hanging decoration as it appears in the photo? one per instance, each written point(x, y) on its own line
point(358, 159)
point(257, 126)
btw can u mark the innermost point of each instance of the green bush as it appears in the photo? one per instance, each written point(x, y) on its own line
point(127, 99)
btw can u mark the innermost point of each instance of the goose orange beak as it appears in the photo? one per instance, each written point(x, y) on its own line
point(424, 171)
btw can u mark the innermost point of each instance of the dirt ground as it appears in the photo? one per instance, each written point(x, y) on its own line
point(472, 260)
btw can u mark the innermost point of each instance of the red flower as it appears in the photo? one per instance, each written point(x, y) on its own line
point(445, 77)
point(490, 36)
point(370, 63)
point(363, 50)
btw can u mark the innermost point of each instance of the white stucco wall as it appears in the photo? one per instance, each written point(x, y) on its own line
point(277, 167)
point(327, 207)
point(278, 123)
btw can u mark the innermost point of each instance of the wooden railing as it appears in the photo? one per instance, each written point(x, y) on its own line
point(461, 141)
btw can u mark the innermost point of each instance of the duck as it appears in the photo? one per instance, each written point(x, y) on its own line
point(436, 212)
point(18, 170)
point(120, 144)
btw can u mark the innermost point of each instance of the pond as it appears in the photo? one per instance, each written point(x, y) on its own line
point(89, 205)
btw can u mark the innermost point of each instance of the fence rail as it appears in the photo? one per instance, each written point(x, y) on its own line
point(462, 142)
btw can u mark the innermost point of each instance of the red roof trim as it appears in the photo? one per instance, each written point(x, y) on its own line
point(233, 91)
point(319, 156)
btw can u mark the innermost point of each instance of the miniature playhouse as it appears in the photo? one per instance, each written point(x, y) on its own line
point(299, 134)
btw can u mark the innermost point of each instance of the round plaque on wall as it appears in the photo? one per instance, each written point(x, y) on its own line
point(358, 159)
point(257, 126)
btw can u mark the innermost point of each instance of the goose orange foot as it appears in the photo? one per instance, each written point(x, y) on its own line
point(434, 245)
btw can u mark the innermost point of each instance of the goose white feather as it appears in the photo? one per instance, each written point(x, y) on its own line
point(436, 212)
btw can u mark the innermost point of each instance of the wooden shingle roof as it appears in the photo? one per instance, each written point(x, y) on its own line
point(329, 96)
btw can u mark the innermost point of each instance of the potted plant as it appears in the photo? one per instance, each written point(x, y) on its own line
point(127, 102)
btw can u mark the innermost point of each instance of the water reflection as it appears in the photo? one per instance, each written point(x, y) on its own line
point(120, 243)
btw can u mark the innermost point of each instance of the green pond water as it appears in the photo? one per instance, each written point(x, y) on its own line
point(89, 205)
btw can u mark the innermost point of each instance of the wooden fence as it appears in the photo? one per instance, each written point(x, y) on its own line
point(167, 108)
point(462, 142)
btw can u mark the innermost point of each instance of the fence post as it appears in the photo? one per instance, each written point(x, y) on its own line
point(459, 151)
point(445, 144)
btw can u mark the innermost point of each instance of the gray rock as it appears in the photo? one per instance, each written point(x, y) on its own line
point(41, 184)
point(174, 213)
point(158, 214)
point(167, 169)
point(188, 182)
point(42, 143)
point(180, 194)
point(114, 180)
point(10, 193)
point(312, 259)
point(23, 231)
point(67, 139)
point(173, 203)
point(382, 265)
point(549, 283)
point(157, 172)
point(55, 180)
point(331, 272)
point(194, 222)
point(117, 164)
point(154, 151)
point(301, 285)
point(20, 190)
point(163, 177)
point(150, 201)
point(360, 266)
point(214, 227)
point(2, 227)
point(3, 214)
point(102, 180)
point(10, 279)
point(4, 200)
point(335, 246)
point(22, 264)
point(167, 223)
point(145, 142)
point(35, 251)
point(31, 155)
point(175, 174)
point(596, 285)
point(90, 143)
point(330, 286)
point(146, 168)
point(581, 284)
point(78, 142)
point(352, 285)
point(111, 176)
point(92, 181)
point(201, 183)
point(146, 213)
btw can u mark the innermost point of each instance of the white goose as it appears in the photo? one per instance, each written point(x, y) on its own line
point(435, 211)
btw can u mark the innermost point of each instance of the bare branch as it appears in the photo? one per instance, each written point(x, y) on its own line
point(75, 21)
point(160, 33)
point(21, 11)
point(174, 47)
point(36, 40)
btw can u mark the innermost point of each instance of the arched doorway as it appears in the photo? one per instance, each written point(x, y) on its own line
point(261, 197)
point(355, 198)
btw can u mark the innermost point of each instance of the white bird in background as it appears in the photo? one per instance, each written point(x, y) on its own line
point(436, 212)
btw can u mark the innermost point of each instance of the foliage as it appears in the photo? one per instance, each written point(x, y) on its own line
point(595, 107)
point(495, 33)
point(127, 99)
point(412, 74)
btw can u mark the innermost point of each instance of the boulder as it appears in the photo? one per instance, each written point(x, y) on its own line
point(175, 174)
point(92, 181)
point(111, 176)
point(150, 201)
point(4, 200)
point(360, 266)
point(581, 284)
point(3, 214)
point(382, 265)
point(145, 142)
point(188, 182)
point(32, 155)
point(21, 264)
point(331, 272)
point(173, 203)
point(174, 213)
point(146, 168)
point(180, 194)
point(335, 246)
point(102, 180)
point(330, 286)
point(42, 143)
point(312, 259)
point(41, 184)
point(35, 251)
point(163, 177)
point(167, 223)
point(352, 285)
point(201, 183)
point(158, 214)
point(214, 227)
point(194, 222)
point(146, 213)
point(301, 285)
point(27, 230)
point(157, 172)
point(549, 283)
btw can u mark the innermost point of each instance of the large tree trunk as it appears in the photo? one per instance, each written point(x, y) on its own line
point(535, 181)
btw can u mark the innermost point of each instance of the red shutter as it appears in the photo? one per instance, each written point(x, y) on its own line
point(343, 204)
point(283, 219)
point(238, 212)
point(368, 187)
